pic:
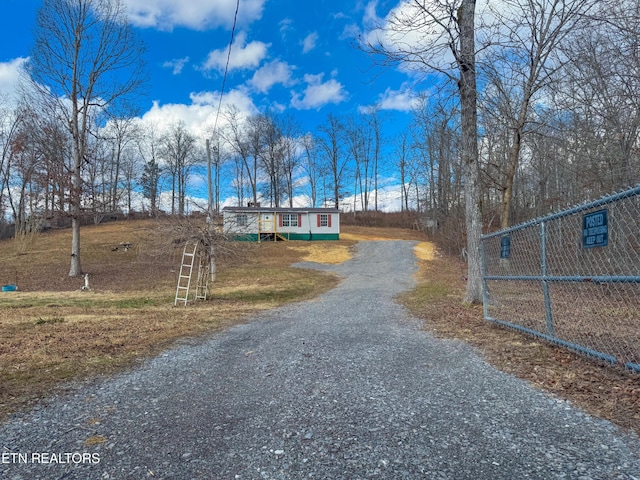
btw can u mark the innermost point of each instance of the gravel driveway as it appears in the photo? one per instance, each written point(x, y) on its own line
point(345, 386)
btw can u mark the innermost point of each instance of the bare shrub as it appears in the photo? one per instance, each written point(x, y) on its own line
point(25, 236)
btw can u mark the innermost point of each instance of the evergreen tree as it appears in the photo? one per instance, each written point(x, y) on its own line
point(150, 182)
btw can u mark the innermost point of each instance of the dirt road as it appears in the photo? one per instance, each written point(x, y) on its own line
point(345, 386)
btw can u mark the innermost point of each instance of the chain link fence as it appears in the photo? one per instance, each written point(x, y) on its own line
point(572, 278)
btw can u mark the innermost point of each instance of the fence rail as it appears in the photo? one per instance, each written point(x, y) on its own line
point(571, 278)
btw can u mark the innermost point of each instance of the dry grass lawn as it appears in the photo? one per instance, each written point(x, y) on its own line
point(324, 252)
point(52, 332)
point(357, 233)
point(425, 251)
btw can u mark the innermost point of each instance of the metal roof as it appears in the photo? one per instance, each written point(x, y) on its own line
point(279, 210)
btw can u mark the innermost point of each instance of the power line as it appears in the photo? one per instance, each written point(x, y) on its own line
point(226, 68)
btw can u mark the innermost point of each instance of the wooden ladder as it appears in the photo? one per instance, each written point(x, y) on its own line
point(204, 275)
point(186, 270)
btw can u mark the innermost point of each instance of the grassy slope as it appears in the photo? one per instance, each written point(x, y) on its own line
point(52, 332)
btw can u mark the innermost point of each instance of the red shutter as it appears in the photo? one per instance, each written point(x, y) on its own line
point(299, 220)
point(319, 220)
point(280, 220)
point(329, 220)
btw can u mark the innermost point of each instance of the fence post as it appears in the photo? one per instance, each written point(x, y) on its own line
point(545, 282)
point(485, 290)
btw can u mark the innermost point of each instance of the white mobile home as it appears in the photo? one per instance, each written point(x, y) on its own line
point(267, 223)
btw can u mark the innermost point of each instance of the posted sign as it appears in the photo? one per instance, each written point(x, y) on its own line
point(595, 229)
point(505, 247)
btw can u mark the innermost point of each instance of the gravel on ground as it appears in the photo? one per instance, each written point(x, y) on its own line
point(345, 386)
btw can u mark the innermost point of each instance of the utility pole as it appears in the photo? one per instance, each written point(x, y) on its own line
point(209, 183)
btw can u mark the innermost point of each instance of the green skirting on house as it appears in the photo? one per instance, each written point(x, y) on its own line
point(253, 237)
point(312, 236)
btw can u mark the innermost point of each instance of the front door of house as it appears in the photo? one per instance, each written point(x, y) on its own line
point(267, 222)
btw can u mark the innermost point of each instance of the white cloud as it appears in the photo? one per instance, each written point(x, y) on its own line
point(243, 55)
point(195, 117)
point(286, 26)
point(271, 74)
point(420, 38)
point(194, 14)
point(389, 200)
point(10, 78)
point(278, 107)
point(309, 43)
point(400, 100)
point(237, 97)
point(350, 32)
point(176, 64)
point(427, 35)
point(318, 93)
point(200, 116)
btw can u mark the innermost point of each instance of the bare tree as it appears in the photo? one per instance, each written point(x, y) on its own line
point(374, 121)
point(11, 120)
point(131, 165)
point(85, 59)
point(291, 150)
point(268, 148)
point(311, 167)
point(403, 155)
point(238, 138)
point(215, 160)
point(180, 152)
point(19, 172)
point(54, 143)
point(358, 144)
point(121, 133)
point(437, 143)
point(602, 84)
point(97, 178)
point(363, 139)
point(526, 62)
point(440, 36)
point(331, 143)
point(254, 130)
point(582, 124)
point(465, 58)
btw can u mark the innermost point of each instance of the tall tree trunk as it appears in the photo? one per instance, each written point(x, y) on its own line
point(469, 119)
point(116, 177)
point(290, 187)
point(376, 161)
point(513, 160)
point(507, 191)
point(209, 181)
point(76, 189)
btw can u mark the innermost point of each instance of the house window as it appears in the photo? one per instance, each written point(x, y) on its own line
point(289, 220)
point(324, 220)
point(242, 220)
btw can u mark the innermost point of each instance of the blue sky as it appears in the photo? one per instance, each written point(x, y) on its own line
point(288, 56)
